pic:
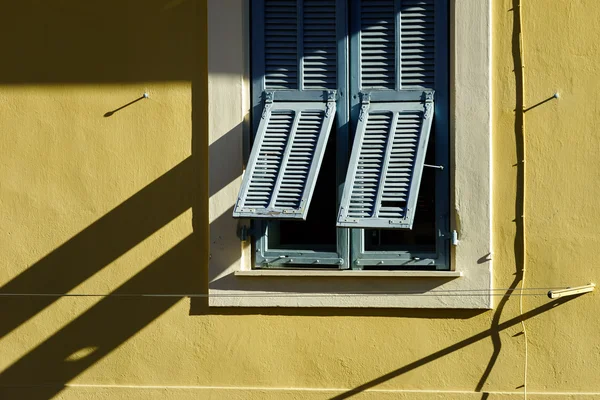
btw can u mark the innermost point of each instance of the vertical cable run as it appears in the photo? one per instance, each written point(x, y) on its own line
point(523, 178)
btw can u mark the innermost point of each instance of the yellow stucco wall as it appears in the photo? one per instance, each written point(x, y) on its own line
point(94, 205)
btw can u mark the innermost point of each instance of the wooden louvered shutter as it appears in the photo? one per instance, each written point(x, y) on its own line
point(295, 53)
point(285, 159)
point(394, 56)
point(386, 165)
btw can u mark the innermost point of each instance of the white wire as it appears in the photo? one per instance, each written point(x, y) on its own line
point(473, 292)
point(270, 295)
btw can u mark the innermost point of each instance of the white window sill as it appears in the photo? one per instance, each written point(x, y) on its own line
point(353, 289)
point(349, 273)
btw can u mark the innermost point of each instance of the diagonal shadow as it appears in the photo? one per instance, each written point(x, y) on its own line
point(117, 232)
point(455, 347)
point(182, 269)
point(109, 323)
point(519, 244)
point(102, 242)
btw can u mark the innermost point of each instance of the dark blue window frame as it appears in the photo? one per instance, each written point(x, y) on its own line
point(351, 252)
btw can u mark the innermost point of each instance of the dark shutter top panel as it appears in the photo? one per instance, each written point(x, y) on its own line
point(417, 42)
point(285, 160)
point(378, 44)
point(397, 44)
point(300, 42)
point(320, 44)
point(384, 173)
point(281, 44)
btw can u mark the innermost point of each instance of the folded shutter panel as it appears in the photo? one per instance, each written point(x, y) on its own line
point(285, 159)
point(395, 51)
point(386, 164)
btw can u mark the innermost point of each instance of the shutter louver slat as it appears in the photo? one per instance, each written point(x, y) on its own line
point(301, 155)
point(269, 159)
point(320, 44)
point(281, 44)
point(378, 39)
point(384, 175)
point(417, 42)
point(377, 45)
point(285, 160)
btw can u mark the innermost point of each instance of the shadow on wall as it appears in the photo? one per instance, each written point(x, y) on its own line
point(519, 245)
point(112, 41)
point(79, 43)
point(70, 41)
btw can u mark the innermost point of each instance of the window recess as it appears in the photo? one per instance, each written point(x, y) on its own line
point(344, 120)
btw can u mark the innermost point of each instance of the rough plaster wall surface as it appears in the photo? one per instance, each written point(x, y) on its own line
point(96, 205)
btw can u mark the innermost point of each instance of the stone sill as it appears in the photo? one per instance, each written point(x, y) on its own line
point(349, 273)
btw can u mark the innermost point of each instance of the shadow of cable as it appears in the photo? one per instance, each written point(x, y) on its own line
point(519, 245)
point(519, 241)
point(455, 347)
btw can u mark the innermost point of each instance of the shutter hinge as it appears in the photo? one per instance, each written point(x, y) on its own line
point(428, 104)
point(364, 107)
point(269, 97)
point(429, 95)
point(331, 95)
point(452, 236)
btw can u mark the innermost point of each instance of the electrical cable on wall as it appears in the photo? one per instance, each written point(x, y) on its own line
point(523, 171)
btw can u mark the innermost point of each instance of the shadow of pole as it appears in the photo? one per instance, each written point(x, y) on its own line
point(111, 113)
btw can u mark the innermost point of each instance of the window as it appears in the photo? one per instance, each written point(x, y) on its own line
point(233, 279)
point(349, 167)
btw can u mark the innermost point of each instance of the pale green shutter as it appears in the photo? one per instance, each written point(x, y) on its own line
point(296, 48)
point(385, 168)
point(285, 159)
point(396, 64)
